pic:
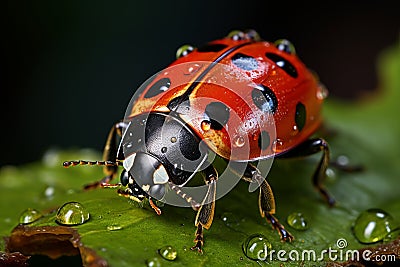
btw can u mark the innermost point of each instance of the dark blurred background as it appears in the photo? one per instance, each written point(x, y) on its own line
point(69, 68)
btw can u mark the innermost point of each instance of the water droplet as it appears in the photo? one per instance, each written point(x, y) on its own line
point(297, 221)
point(29, 216)
point(236, 35)
point(72, 213)
point(230, 219)
point(277, 145)
point(49, 192)
point(168, 253)
point(330, 174)
point(205, 125)
point(239, 141)
point(184, 50)
point(164, 149)
point(254, 244)
point(114, 227)
point(173, 139)
point(393, 235)
point(322, 92)
point(372, 226)
point(154, 262)
point(51, 158)
point(192, 69)
point(342, 160)
point(295, 130)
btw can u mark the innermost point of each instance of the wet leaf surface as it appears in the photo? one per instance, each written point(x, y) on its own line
point(122, 233)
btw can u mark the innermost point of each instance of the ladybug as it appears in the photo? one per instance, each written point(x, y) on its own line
point(240, 98)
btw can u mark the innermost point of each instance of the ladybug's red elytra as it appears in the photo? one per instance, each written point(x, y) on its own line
point(177, 111)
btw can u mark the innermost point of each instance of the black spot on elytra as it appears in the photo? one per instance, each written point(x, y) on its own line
point(264, 140)
point(300, 116)
point(264, 98)
point(244, 62)
point(211, 48)
point(218, 114)
point(158, 87)
point(283, 64)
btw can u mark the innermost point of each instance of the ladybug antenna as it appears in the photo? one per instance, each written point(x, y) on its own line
point(195, 205)
point(67, 164)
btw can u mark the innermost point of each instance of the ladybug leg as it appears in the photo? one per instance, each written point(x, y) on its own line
point(266, 201)
point(205, 214)
point(311, 147)
point(109, 154)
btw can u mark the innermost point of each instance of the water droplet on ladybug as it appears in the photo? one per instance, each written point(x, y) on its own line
point(239, 141)
point(297, 221)
point(168, 253)
point(322, 92)
point(236, 35)
point(205, 125)
point(173, 139)
point(29, 216)
point(254, 244)
point(295, 130)
point(128, 145)
point(372, 225)
point(154, 262)
point(192, 69)
point(72, 213)
point(277, 145)
point(164, 149)
point(184, 50)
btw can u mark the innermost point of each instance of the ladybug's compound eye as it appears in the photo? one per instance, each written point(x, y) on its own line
point(124, 178)
point(285, 46)
point(184, 50)
point(236, 35)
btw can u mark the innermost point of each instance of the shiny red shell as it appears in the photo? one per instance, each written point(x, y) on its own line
point(227, 71)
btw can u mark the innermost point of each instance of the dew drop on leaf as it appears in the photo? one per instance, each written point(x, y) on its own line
point(114, 227)
point(372, 225)
point(72, 213)
point(256, 247)
point(29, 216)
point(297, 221)
point(154, 262)
point(168, 253)
point(230, 219)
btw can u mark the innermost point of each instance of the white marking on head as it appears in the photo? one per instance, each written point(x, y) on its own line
point(160, 176)
point(146, 187)
point(128, 162)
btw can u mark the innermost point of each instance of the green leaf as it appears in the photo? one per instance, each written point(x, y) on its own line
point(126, 234)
